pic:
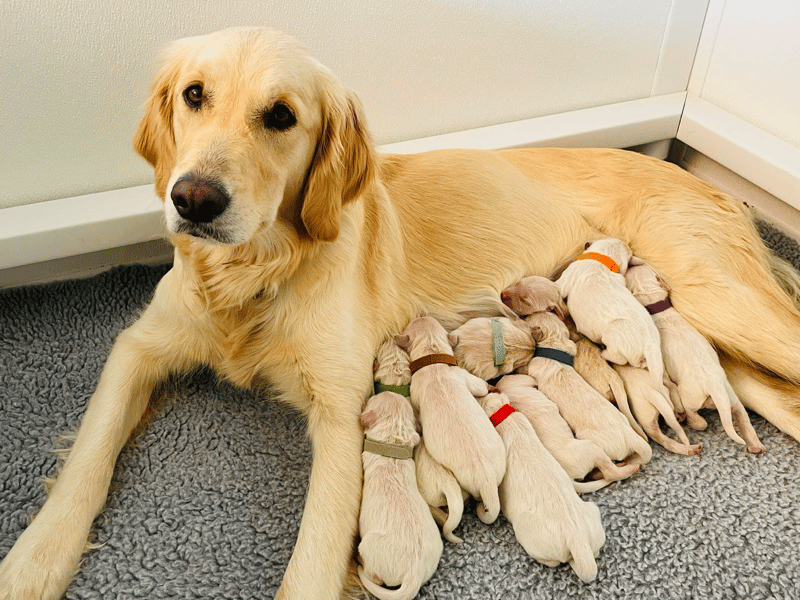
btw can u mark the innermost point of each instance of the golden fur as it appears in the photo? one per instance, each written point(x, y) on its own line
point(332, 247)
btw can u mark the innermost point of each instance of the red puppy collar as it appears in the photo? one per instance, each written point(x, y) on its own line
point(601, 258)
point(501, 414)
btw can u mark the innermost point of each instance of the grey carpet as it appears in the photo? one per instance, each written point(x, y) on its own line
point(206, 500)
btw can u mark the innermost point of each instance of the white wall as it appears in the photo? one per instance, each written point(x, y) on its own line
point(75, 74)
point(749, 63)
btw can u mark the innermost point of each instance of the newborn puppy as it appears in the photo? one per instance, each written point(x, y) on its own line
point(577, 457)
point(400, 542)
point(534, 294)
point(489, 348)
point(439, 488)
point(607, 313)
point(551, 523)
point(590, 364)
point(691, 361)
point(641, 393)
point(457, 433)
point(590, 416)
point(392, 372)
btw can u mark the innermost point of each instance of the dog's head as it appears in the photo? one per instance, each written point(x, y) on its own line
point(244, 128)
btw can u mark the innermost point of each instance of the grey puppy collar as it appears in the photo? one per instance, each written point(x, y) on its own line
point(388, 450)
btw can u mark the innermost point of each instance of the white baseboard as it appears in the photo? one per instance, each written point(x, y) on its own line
point(757, 156)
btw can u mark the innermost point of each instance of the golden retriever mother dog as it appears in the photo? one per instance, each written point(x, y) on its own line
point(299, 249)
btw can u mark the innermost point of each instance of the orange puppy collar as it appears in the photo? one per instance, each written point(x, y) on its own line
point(601, 258)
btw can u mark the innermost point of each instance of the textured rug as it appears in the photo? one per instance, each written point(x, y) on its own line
point(206, 500)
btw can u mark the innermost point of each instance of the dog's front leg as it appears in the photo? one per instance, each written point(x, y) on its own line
point(42, 562)
point(329, 525)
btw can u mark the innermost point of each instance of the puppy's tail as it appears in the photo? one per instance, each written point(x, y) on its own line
point(775, 399)
point(618, 389)
point(721, 399)
point(455, 509)
point(582, 561)
point(489, 507)
point(612, 472)
point(584, 487)
point(406, 591)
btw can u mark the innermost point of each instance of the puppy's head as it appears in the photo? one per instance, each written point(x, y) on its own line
point(388, 417)
point(615, 249)
point(244, 130)
point(534, 294)
point(646, 284)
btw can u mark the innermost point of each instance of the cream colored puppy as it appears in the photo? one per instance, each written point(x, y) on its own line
point(400, 542)
point(458, 435)
point(436, 483)
point(439, 488)
point(577, 457)
point(690, 361)
point(551, 523)
point(534, 294)
point(642, 397)
point(489, 348)
point(391, 368)
point(590, 416)
point(607, 313)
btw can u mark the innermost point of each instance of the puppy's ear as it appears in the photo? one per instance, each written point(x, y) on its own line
point(452, 337)
point(560, 308)
point(664, 285)
point(368, 419)
point(415, 438)
point(375, 366)
point(403, 341)
point(635, 261)
point(537, 334)
point(343, 165)
point(155, 139)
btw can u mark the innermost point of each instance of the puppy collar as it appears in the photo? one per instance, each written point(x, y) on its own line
point(556, 355)
point(601, 258)
point(403, 390)
point(501, 414)
point(432, 359)
point(388, 450)
point(498, 343)
point(658, 307)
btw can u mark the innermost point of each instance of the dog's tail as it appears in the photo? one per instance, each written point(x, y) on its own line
point(582, 561)
point(721, 399)
point(455, 510)
point(407, 590)
point(614, 472)
point(618, 389)
point(584, 487)
point(774, 398)
point(489, 506)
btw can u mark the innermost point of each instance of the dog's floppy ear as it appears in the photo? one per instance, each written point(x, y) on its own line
point(635, 261)
point(155, 139)
point(368, 418)
point(536, 333)
point(664, 285)
point(343, 164)
point(403, 341)
point(452, 339)
point(560, 308)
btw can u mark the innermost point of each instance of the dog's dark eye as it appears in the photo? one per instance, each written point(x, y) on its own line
point(279, 117)
point(193, 95)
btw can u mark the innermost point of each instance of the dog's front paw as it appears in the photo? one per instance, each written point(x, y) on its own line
point(32, 572)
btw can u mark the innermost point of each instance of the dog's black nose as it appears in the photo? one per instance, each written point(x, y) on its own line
point(199, 200)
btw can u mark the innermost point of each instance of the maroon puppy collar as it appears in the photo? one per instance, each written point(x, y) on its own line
point(658, 307)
